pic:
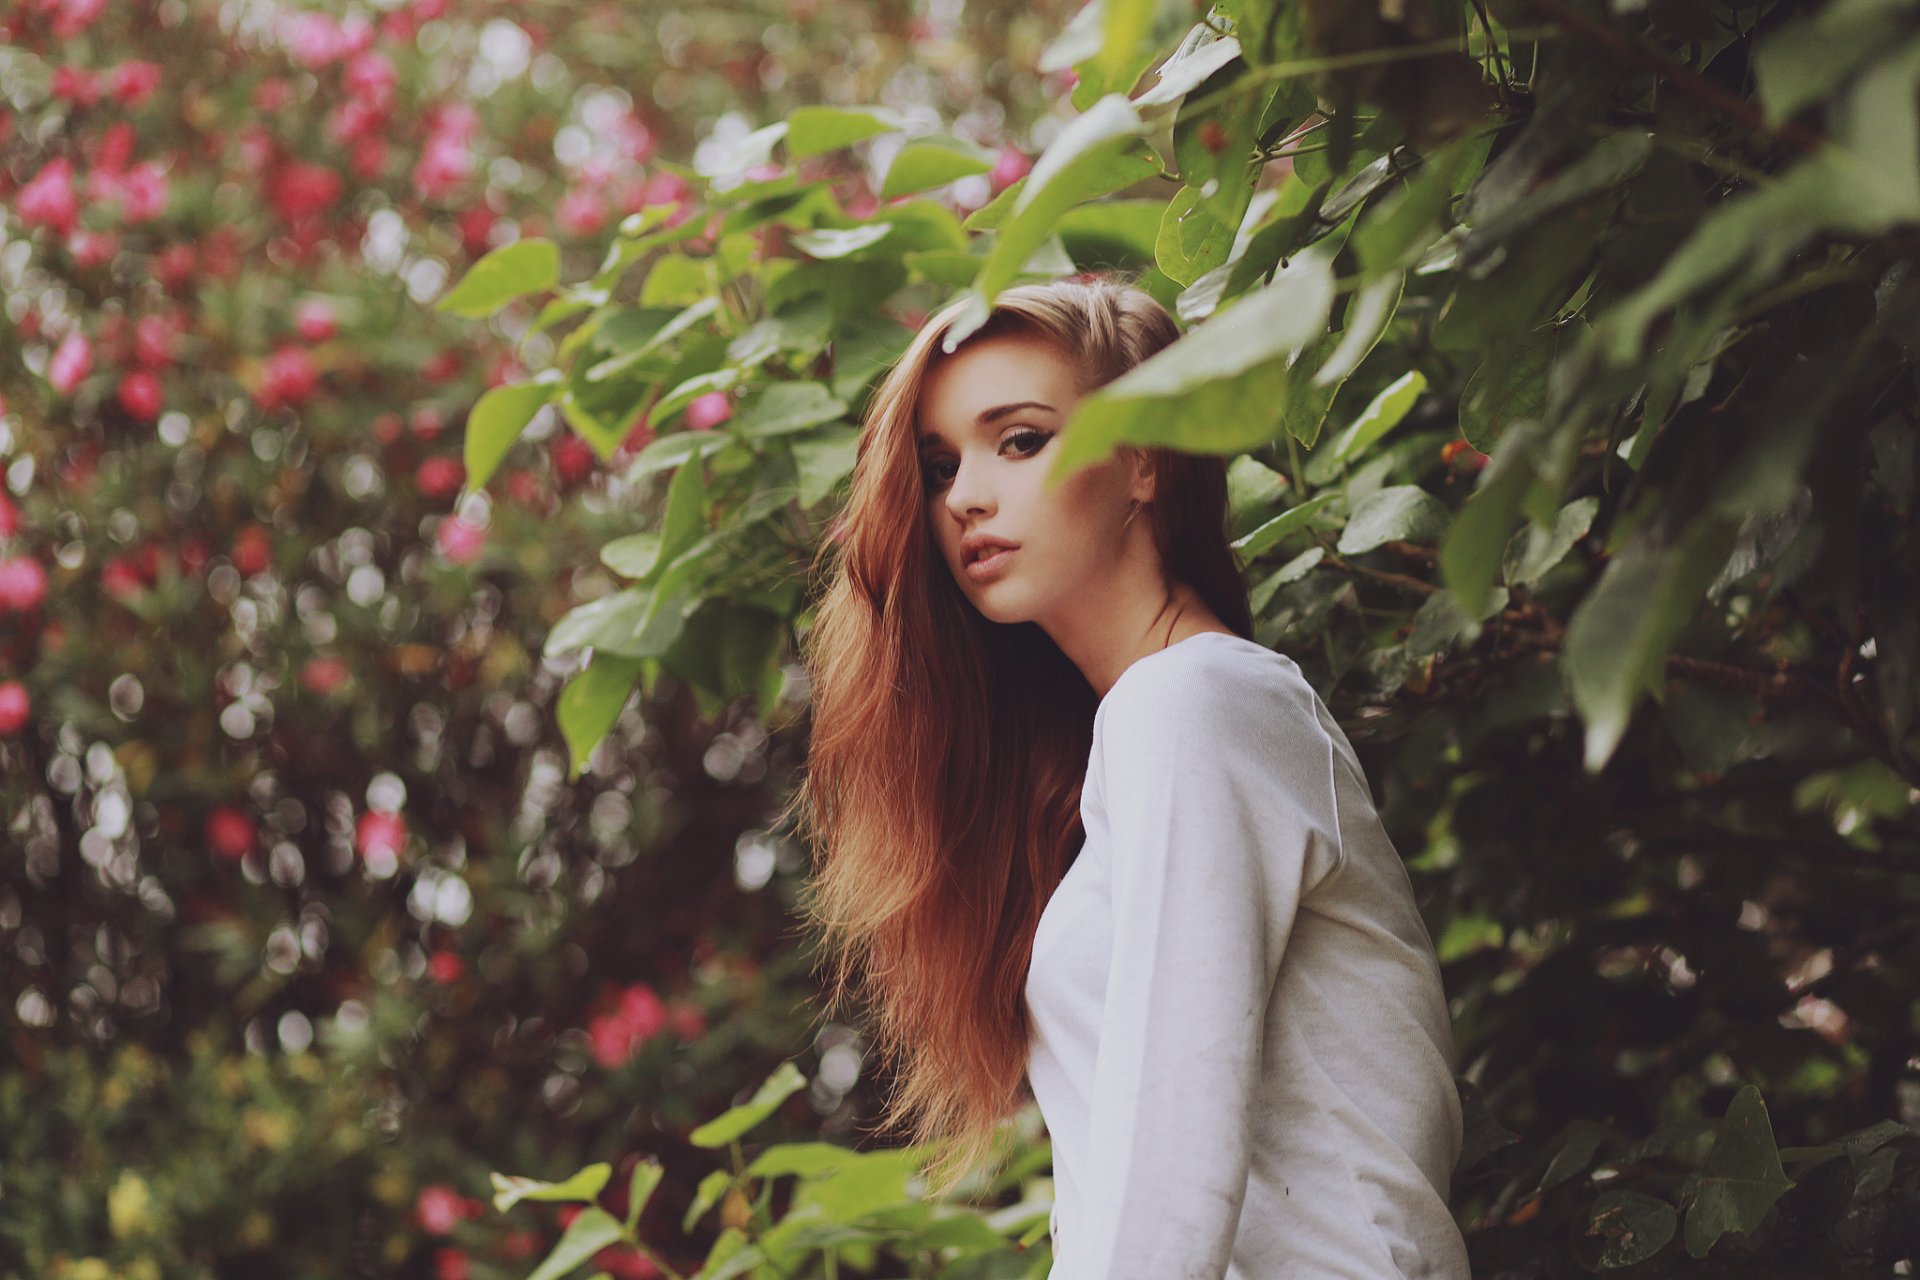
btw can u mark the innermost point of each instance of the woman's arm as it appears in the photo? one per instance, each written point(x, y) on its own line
point(1218, 788)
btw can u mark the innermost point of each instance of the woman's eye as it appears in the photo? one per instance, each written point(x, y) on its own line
point(1024, 443)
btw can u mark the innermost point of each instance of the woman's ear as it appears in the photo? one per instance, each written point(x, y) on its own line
point(1140, 486)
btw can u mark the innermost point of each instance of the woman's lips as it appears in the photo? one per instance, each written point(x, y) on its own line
point(991, 565)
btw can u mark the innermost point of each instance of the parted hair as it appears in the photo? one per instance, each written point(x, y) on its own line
point(946, 751)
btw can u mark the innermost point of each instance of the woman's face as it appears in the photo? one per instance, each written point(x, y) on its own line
point(990, 417)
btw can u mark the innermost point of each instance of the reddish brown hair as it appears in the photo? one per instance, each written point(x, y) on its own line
point(942, 790)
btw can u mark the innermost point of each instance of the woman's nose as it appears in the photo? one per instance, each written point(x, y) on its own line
point(968, 491)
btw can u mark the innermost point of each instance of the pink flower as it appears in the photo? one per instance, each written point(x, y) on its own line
point(368, 159)
point(445, 966)
point(47, 199)
point(461, 541)
point(143, 192)
point(116, 147)
point(133, 82)
point(708, 411)
point(15, 708)
point(439, 1209)
point(91, 248)
point(290, 378)
point(667, 187)
point(687, 1020)
point(72, 362)
point(370, 78)
point(572, 459)
point(120, 578)
point(141, 395)
point(23, 583)
point(323, 675)
point(476, 224)
point(352, 120)
point(315, 320)
point(252, 550)
point(272, 94)
point(637, 1017)
point(231, 833)
point(302, 189)
point(9, 514)
point(152, 340)
point(581, 212)
point(76, 85)
point(71, 17)
point(376, 833)
point(444, 163)
point(451, 1264)
point(633, 139)
point(440, 477)
point(1010, 167)
point(313, 39)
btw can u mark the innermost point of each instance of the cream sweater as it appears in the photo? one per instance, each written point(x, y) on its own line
point(1241, 1048)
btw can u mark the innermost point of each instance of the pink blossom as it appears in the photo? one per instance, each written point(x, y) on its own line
point(581, 212)
point(76, 85)
point(444, 163)
point(633, 139)
point(72, 362)
point(1010, 167)
point(141, 395)
point(461, 541)
point(290, 378)
point(153, 338)
point(23, 584)
point(134, 81)
point(368, 159)
point(323, 675)
point(301, 189)
point(353, 119)
point(272, 94)
point(231, 833)
point(74, 16)
point(708, 411)
point(439, 1208)
point(143, 192)
point(451, 1264)
point(370, 78)
point(313, 39)
point(439, 477)
point(47, 199)
point(9, 513)
point(378, 832)
point(15, 708)
point(91, 248)
point(667, 187)
point(116, 147)
point(315, 320)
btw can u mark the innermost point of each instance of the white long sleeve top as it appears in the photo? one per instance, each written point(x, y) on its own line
point(1240, 1046)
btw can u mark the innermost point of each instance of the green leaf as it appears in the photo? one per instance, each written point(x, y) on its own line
point(828, 243)
point(1533, 550)
point(497, 420)
point(926, 163)
point(587, 1235)
point(1202, 392)
point(812, 131)
point(1741, 1178)
point(685, 515)
point(1511, 383)
point(590, 703)
point(777, 1088)
point(1619, 636)
point(509, 1190)
point(673, 449)
point(823, 459)
point(511, 271)
point(635, 556)
point(1123, 32)
point(705, 1196)
point(1397, 511)
point(646, 1176)
point(788, 406)
point(1382, 414)
point(1806, 59)
point(1367, 319)
point(1630, 1227)
point(1098, 152)
point(1288, 522)
point(1191, 240)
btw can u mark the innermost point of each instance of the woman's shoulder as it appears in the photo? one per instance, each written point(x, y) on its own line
point(1214, 679)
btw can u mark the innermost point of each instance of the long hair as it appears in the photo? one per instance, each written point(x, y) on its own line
point(942, 788)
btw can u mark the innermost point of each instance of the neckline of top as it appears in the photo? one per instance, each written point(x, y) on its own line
point(1138, 662)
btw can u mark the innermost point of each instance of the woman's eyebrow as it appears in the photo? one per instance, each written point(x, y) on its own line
point(989, 416)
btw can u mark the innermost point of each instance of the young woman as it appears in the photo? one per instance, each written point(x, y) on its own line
point(1077, 829)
